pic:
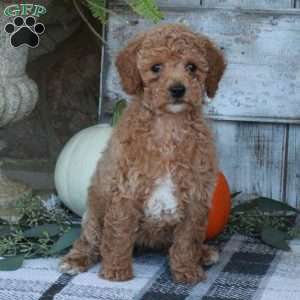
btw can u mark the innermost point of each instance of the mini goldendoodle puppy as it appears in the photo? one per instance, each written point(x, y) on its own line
point(154, 183)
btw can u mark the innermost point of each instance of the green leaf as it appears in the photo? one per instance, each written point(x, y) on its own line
point(11, 263)
point(66, 240)
point(98, 10)
point(270, 205)
point(118, 109)
point(265, 205)
point(233, 195)
point(42, 230)
point(147, 9)
point(244, 207)
point(275, 238)
point(5, 231)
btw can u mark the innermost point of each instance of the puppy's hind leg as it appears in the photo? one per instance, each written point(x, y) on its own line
point(85, 251)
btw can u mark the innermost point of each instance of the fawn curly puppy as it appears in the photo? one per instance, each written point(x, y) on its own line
point(153, 184)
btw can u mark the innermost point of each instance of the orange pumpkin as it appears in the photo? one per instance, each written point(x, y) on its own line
point(220, 208)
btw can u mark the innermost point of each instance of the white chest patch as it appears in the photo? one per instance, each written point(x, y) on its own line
point(162, 204)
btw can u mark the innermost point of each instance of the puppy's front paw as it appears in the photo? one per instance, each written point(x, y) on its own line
point(74, 264)
point(115, 274)
point(189, 276)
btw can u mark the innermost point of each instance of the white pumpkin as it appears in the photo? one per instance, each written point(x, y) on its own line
point(76, 165)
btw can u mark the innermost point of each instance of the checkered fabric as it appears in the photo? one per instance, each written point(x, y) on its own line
point(247, 269)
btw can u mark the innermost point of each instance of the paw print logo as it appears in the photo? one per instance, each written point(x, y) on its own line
point(25, 32)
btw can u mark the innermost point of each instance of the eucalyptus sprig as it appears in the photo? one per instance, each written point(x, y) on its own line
point(270, 220)
point(41, 231)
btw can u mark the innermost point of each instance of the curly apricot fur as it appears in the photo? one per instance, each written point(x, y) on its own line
point(155, 137)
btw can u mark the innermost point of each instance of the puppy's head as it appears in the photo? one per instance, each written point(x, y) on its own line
point(172, 67)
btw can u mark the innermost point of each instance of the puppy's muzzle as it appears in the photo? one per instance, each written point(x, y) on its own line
point(177, 92)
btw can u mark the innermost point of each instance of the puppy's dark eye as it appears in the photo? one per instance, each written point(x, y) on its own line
point(156, 68)
point(191, 67)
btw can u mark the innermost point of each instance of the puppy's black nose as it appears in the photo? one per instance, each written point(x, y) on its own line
point(177, 91)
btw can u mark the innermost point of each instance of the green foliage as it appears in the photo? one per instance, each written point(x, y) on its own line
point(145, 8)
point(97, 8)
point(66, 240)
point(271, 221)
point(265, 205)
point(36, 232)
point(251, 223)
point(275, 238)
point(34, 213)
point(118, 109)
point(42, 230)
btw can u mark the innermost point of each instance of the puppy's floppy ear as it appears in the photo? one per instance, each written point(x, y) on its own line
point(126, 64)
point(216, 64)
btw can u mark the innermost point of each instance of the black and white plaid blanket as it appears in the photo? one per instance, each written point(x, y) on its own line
point(247, 269)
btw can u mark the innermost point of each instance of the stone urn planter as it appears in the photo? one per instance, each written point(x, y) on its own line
point(18, 96)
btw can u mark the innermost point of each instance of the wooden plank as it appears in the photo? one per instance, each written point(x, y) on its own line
point(262, 81)
point(293, 167)
point(251, 156)
point(256, 4)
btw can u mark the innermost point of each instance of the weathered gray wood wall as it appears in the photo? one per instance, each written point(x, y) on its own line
point(256, 114)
